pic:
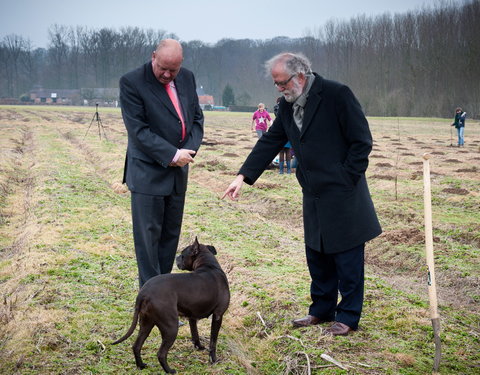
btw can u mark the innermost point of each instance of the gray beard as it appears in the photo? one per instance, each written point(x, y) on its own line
point(290, 99)
point(294, 93)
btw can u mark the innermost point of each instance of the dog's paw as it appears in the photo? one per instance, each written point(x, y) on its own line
point(142, 366)
point(197, 344)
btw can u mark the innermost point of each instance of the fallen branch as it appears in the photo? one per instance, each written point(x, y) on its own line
point(309, 369)
point(263, 322)
point(293, 338)
point(101, 344)
point(293, 366)
point(362, 364)
point(327, 358)
point(261, 319)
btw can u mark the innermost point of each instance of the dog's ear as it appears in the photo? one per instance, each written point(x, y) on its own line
point(212, 249)
point(195, 247)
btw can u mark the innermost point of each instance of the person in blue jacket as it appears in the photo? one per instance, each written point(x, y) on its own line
point(459, 123)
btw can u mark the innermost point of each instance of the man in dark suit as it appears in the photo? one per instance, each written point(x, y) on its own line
point(165, 129)
point(330, 135)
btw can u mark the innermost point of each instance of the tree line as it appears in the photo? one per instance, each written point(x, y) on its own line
point(418, 63)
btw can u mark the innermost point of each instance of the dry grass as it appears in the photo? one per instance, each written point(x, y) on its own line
point(68, 277)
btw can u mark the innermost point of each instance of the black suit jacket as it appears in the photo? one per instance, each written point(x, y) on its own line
point(154, 130)
point(332, 152)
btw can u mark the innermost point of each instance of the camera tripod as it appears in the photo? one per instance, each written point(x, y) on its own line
point(101, 129)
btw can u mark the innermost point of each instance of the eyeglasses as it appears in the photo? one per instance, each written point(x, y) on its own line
point(284, 83)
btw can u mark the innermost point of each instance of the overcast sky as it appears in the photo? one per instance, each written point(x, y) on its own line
point(207, 20)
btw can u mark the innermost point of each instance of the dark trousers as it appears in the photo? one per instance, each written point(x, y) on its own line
point(333, 273)
point(157, 221)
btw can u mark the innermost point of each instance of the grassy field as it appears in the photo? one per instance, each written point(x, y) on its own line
point(68, 275)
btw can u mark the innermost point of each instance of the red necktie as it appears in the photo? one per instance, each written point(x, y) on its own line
point(174, 99)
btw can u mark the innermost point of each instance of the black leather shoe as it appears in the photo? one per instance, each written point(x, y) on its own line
point(307, 321)
point(338, 329)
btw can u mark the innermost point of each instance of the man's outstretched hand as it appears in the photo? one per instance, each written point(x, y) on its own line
point(233, 191)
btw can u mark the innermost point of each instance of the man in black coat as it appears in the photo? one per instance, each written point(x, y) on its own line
point(330, 135)
point(164, 122)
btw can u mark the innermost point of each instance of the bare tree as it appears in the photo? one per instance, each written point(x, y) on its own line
point(418, 63)
point(75, 56)
point(58, 54)
point(13, 47)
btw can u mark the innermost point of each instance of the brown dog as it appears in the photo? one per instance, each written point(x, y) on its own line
point(195, 295)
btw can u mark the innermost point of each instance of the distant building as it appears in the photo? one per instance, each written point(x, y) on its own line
point(85, 96)
point(55, 96)
point(206, 101)
point(10, 101)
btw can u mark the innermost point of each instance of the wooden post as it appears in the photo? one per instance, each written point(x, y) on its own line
point(432, 289)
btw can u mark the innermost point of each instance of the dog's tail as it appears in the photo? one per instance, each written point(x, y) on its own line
point(132, 327)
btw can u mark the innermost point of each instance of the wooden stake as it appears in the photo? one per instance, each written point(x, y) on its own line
point(432, 289)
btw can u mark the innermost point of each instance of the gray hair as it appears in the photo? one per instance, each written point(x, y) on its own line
point(293, 63)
